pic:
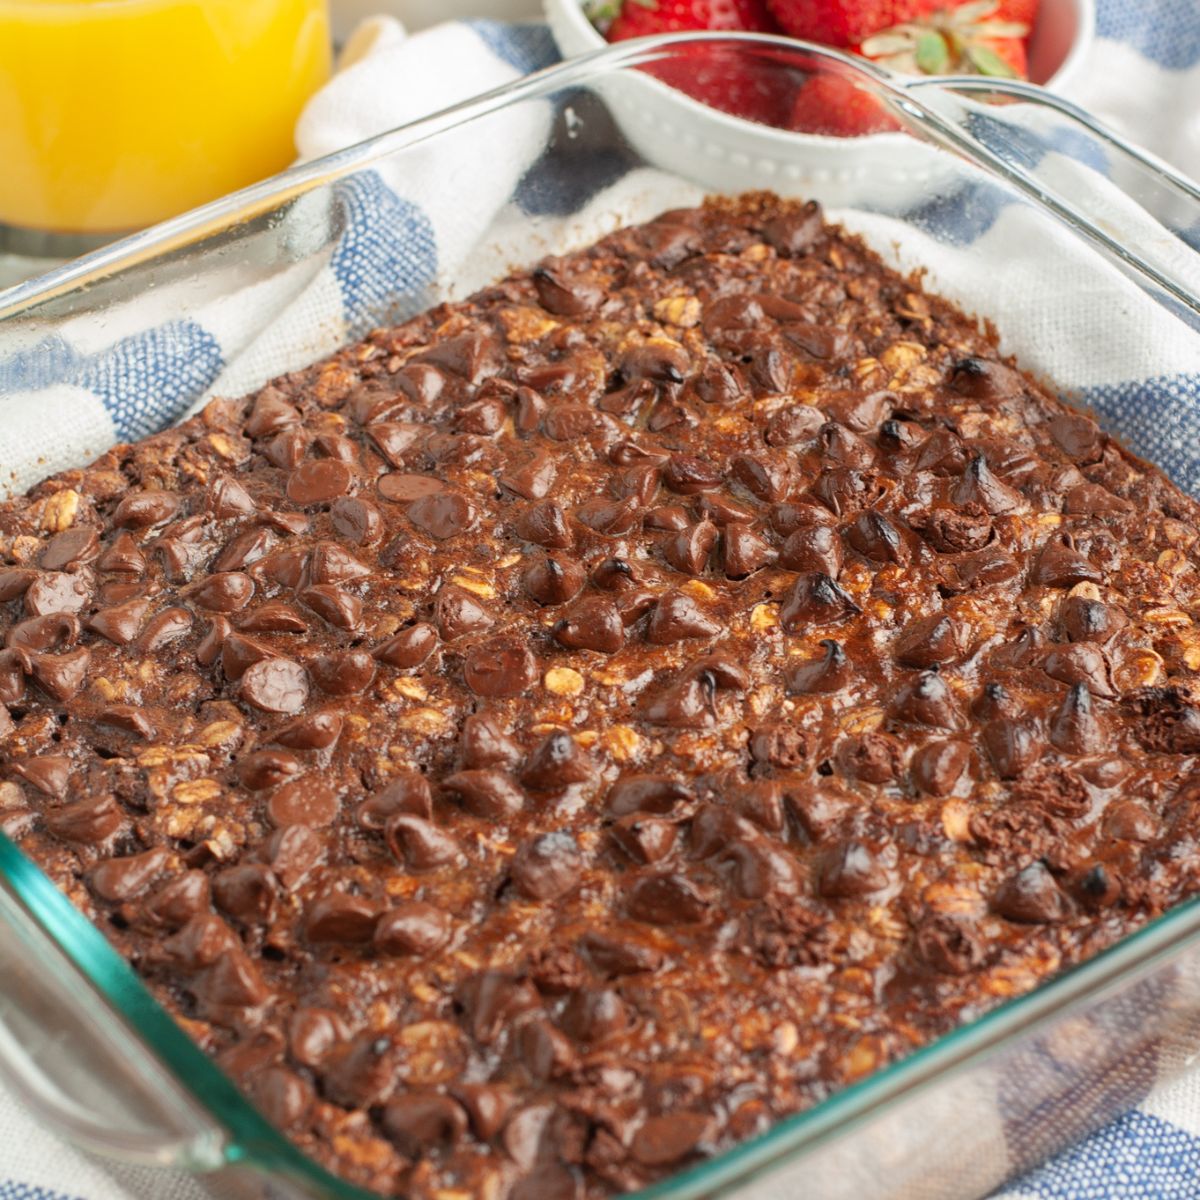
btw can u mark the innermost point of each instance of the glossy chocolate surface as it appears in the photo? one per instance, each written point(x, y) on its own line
point(558, 737)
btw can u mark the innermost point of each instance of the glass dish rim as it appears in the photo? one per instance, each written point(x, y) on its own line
point(251, 1141)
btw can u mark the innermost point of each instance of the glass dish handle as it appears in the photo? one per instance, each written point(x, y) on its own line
point(79, 1068)
point(1137, 210)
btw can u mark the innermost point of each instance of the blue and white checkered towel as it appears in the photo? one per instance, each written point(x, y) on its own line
point(64, 398)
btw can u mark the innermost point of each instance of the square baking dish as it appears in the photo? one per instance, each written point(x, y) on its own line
point(546, 165)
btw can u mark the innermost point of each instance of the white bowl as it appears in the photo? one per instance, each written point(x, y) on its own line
point(1060, 41)
point(727, 153)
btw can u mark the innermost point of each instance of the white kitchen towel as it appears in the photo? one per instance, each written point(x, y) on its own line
point(66, 396)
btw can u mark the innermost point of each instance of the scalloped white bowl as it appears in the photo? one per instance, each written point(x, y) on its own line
point(727, 153)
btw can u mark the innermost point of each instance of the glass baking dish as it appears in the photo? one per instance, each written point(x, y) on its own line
point(583, 147)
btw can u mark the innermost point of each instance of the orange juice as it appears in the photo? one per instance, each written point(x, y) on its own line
point(117, 113)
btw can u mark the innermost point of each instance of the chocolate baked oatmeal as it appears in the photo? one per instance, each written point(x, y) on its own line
point(554, 739)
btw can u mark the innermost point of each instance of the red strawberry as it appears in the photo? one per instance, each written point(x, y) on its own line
point(640, 18)
point(731, 82)
point(1010, 51)
point(830, 105)
point(726, 80)
point(1024, 12)
point(971, 39)
point(844, 22)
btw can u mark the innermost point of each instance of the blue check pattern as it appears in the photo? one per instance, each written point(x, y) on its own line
point(149, 380)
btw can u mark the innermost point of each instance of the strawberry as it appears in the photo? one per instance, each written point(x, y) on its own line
point(844, 22)
point(1012, 52)
point(830, 105)
point(726, 80)
point(729, 81)
point(971, 39)
point(1023, 12)
point(640, 18)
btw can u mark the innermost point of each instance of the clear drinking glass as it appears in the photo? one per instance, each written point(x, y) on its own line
point(115, 114)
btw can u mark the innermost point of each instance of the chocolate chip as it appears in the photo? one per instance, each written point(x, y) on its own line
point(743, 551)
point(55, 592)
point(357, 520)
point(1083, 663)
point(14, 581)
point(927, 701)
point(419, 1124)
point(1085, 620)
point(413, 928)
point(141, 510)
point(340, 608)
point(267, 769)
point(340, 918)
point(345, 673)
point(1076, 728)
point(129, 719)
point(307, 801)
point(870, 757)
point(663, 1140)
point(319, 481)
point(564, 296)
point(1031, 897)
point(829, 673)
point(245, 549)
point(547, 867)
point(313, 1033)
point(545, 523)
point(247, 891)
point(457, 613)
point(852, 869)
point(121, 879)
point(486, 792)
point(612, 518)
point(409, 648)
point(224, 593)
point(485, 743)
point(557, 762)
point(1061, 565)
point(677, 617)
point(180, 899)
point(593, 623)
point(445, 515)
point(1013, 744)
point(688, 550)
point(1127, 820)
point(980, 486)
point(667, 899)
point(69, 548)
point(58, 631)
point(293, 853)
point(937, 640)
point(49, 773)
point(646, 794)
point(939, 765)
point(985, 379)
point(876, 538)
point(645, 839)
point(316, 732)
point(815, 598)
point(500, 668)
point(553, 579)
point(284, 1097)
point(817, 548)
point(61, 676)
point(275, 685)
point(408, 792)
point(92, 821)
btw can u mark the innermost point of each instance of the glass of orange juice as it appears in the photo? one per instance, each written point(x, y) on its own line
point(115, 114)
